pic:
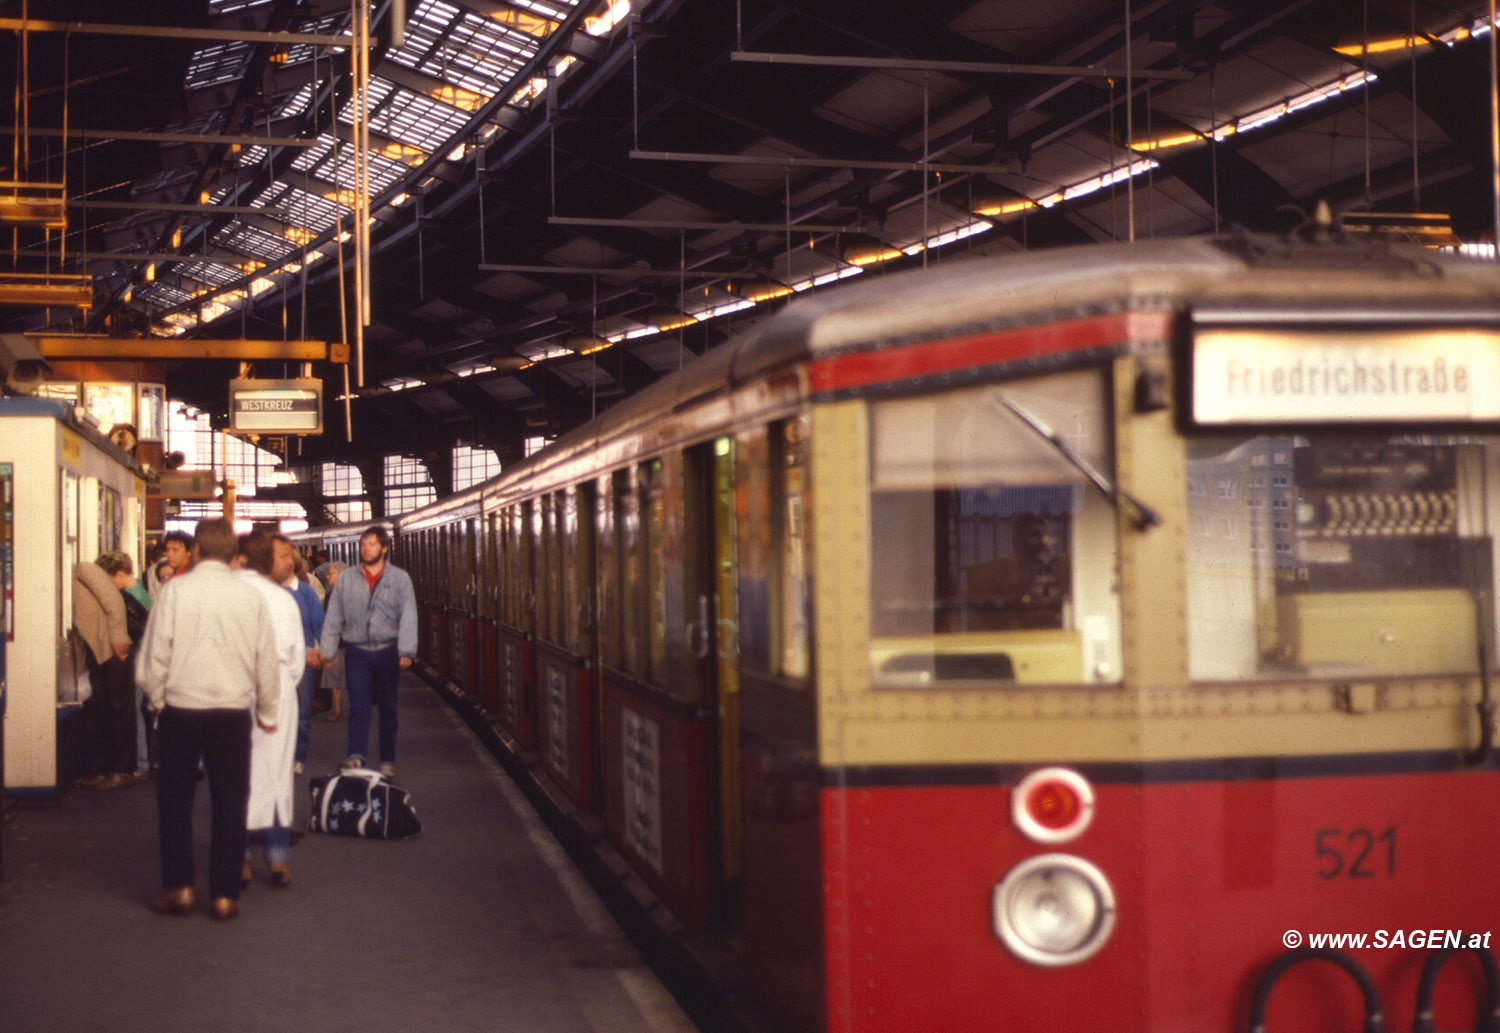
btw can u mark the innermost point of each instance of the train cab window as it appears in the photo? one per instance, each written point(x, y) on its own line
point(992, 559)
point(1336, 554)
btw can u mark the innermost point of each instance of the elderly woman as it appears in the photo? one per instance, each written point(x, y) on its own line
point(121, 570)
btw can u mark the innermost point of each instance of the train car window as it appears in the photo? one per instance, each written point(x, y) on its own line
point(530, 551)
point(492, 567)
point(653, 527)
point(514, 585)
point(752, 505)
point(606, 529)
point(991, 557)
point(570, 626)
point(771, 521)
point(548, 570)
point(1336, 554)
point(791, 532)
point(474, 573)
point(632, 573)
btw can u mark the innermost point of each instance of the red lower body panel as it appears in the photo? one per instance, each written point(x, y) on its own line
point(1210, 880)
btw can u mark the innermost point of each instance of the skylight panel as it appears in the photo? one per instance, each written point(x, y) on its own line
point(299, 53)
point(296, 104)
point(163, 295)
point(254, 241)
point(412, 118)
point(303, 208)
point(213, 65)
point(476, 53)
point(217, 7)
point(318, 162)
point(215, 274)
point(555, 11)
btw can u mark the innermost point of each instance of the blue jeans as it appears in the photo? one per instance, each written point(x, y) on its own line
point(304, 711)
point(370, 677)
point(278, 842)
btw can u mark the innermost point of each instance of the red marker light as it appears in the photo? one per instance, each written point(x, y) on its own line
point(1052, 805)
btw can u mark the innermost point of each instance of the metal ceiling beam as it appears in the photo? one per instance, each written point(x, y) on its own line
point(683, 224)
point(52, 295)
point(97, 346)
point(604, 270)
point(819, 163)
point(154, 137)
point(206, 210)
point(971, 67)
point(175, 32)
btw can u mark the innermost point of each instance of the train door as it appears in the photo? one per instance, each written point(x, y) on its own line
point(660, 709)
point(564, 645)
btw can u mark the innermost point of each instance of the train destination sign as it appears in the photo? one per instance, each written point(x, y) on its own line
point(276, 406)
point(1250, 375)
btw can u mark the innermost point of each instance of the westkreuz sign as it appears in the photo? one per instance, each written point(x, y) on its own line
point(276, 406)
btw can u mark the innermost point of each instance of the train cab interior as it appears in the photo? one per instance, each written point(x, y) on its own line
point(994, 555)
point(1340, 553)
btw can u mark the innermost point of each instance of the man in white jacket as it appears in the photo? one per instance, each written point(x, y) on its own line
point(207, 659)
point(272, 752)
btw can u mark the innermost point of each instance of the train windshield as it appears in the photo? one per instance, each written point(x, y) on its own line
point(1337, 555)
point(992, 557)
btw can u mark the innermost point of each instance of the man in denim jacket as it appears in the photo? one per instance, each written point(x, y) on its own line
point(373, 613)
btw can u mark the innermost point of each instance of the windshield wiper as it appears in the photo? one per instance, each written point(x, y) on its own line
point(1142, 517)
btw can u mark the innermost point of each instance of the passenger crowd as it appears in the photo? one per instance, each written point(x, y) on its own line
point(210, 671)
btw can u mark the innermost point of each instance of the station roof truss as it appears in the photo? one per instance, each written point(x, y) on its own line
point(569, 199)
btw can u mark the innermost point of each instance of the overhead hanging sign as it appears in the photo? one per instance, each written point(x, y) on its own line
point(276, 406)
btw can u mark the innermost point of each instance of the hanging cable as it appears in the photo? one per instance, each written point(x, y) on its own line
point(681, 290)
point(787, 179)
point(1365, 15)
point(1213, 141)
point(635, 83)
point(925, 156)
point(1114, 215)
point(1129, 133)
point(1416, 180)
point(1150, 173)
point(62, 234)
point(551, 140)
point(1494, 131)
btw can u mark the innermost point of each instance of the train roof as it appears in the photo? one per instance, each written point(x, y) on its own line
point(1260, 273)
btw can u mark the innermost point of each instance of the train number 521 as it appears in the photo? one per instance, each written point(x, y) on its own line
point(1357, 853)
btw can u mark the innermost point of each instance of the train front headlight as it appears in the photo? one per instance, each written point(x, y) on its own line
point(1055, 909)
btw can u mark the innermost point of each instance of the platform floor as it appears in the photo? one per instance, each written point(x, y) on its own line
point(479, 923)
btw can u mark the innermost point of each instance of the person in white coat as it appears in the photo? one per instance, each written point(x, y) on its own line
point(271, 753)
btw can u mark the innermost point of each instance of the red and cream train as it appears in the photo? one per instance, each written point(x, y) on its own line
point(1034, 644)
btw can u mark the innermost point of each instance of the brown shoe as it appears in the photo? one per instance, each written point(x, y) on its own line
point(178, 902)
point(90, 782)
point(118, 780)
point(224, 909)
point(281, 875)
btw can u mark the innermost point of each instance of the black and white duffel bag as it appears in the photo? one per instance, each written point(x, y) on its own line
point(359, 802)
